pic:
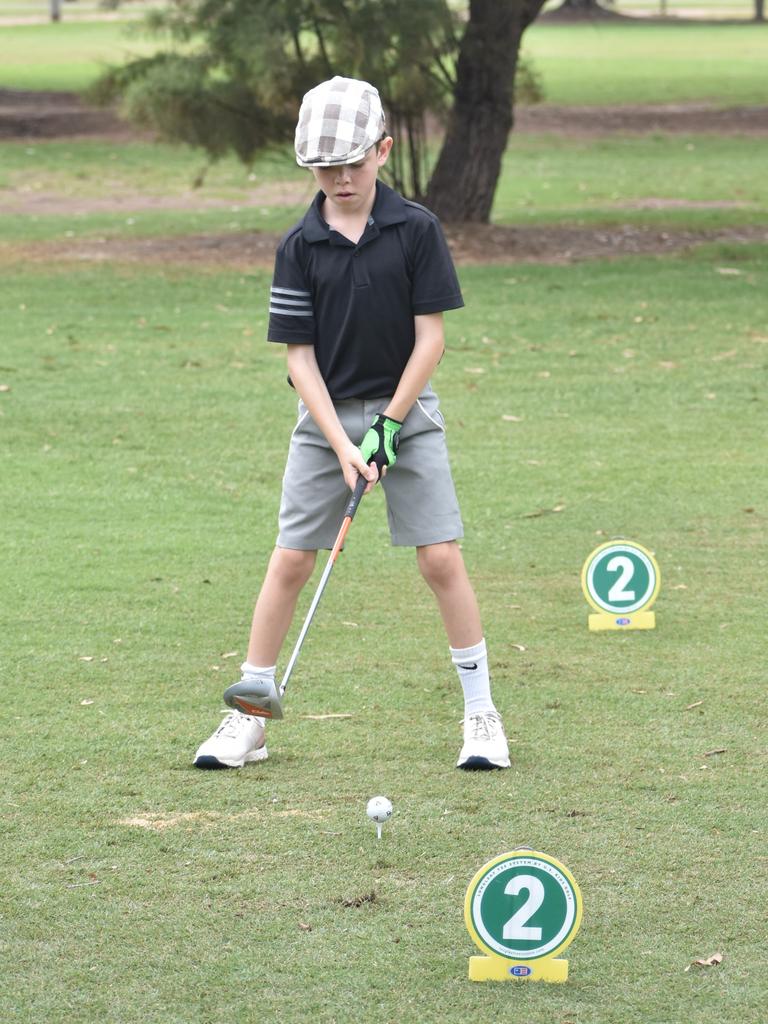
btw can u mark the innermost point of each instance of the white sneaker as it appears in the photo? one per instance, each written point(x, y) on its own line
point(238, 740)
point(485, 745)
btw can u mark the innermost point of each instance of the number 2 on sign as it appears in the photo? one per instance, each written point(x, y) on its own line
point(624, 566)
point(516, 926)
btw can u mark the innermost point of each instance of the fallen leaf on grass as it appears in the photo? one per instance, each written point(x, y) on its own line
point(719, 750)
point(305, 927)
point(729, 271)
point(519, 647)
point(5, 388)
point(85, 703)
point(513, 419)
point(696, 704)
point(230, 654)
point(86, 657)
point(706, 961)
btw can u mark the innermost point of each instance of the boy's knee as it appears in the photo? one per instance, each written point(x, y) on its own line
point(439, 563)
point(292, 567)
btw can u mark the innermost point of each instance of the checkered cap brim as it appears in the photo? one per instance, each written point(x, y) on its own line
point(339, 121)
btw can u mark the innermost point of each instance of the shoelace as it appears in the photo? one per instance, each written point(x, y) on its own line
point(233, 724)
point(483, 727)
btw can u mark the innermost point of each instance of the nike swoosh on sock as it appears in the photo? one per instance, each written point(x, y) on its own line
point(470, 668)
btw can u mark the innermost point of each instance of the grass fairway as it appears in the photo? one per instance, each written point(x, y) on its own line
point(598, 63)
point(67, 55)
point(595, 63)
point(144, 424)
point(81, 189)
point(143, 428)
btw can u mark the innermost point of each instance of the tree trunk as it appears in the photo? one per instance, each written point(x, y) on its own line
point(759, 10)
point(464, 180)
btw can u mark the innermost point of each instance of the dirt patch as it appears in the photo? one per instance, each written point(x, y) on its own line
point(56, 115)
point(23, 200)
point(51, 115)
point(687, 118)
point(472, 244)
point(158, 822)
point(469, 243)
point(662, 203)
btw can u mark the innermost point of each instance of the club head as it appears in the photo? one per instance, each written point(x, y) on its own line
point(255, 698)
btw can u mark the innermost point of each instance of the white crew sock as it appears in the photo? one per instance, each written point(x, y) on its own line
point(257, 672)
point(472, 666)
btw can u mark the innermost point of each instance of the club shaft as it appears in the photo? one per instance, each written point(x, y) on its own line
point(349, 515)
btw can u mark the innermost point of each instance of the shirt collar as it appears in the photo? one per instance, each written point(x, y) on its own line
point(388, 208)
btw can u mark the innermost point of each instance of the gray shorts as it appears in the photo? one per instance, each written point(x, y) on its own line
point(422, 507)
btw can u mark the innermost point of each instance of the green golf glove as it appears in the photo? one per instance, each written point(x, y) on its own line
point(381, 442)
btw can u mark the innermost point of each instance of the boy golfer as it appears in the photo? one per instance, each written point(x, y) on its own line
point(359, 289)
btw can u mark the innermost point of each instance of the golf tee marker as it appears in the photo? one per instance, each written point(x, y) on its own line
point(621, 580)
point(522, 909)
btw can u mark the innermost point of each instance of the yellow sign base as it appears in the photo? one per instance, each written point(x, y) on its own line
point(498, 968)
point(636, 620)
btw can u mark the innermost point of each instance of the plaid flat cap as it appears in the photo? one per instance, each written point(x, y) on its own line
point(339, 121)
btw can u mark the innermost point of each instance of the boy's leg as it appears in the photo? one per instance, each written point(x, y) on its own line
point(240, 738)
point(313, 499)
point(287, 572)
point(442, 567)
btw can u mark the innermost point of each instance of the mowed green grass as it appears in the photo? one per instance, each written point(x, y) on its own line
point(595, 63)
point(144, 426)
point(66, 55)
point(128, 190)
point(606, 63)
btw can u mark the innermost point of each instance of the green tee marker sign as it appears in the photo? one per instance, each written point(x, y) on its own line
point(521, 909)
point(621, 581)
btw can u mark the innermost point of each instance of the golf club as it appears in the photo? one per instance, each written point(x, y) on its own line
point(265, 698)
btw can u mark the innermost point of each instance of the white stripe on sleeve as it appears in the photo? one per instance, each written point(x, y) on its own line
point(299, 303)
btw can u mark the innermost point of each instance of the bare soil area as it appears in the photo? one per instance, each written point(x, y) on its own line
point(50, 115)
point(28, 116)
point(469, 243)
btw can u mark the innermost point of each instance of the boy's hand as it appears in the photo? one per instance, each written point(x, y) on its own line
point(353, 467)
point(381, 442)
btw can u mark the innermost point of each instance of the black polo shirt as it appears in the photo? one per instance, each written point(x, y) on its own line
point(356, 303)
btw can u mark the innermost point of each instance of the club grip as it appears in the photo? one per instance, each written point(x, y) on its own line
point(380, 461)
point(354, 501)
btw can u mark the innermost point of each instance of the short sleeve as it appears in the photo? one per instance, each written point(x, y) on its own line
point(291, 313)
point(435, 284)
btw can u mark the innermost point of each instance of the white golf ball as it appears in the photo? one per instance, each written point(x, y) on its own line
point(379, 809)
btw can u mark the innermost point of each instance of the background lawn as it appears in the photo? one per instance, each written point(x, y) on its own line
point(599, 63)
point(143, 428)
point(594, 63)
point(137, 189)
point(143, 438)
